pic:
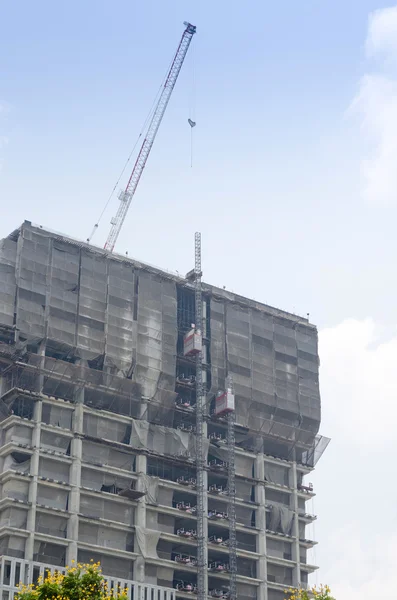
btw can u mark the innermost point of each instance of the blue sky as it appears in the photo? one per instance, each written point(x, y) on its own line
point(275, 157)
point(293, 184)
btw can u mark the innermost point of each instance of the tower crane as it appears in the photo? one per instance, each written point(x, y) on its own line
point(127, 195)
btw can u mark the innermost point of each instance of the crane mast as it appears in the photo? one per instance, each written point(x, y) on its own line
point(127, 195)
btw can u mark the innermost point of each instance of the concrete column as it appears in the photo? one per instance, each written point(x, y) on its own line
point(75, 478)
point(34, 471)
point(140, 514)
point(143, 409)
point(40, 379)
point(260, 497)
point(296, 578)
point(140, 467)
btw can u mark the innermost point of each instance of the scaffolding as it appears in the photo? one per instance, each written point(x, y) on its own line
point(231, 491)
point(116, 373)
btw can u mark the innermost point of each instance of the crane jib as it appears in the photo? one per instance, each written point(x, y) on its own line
point(158, 114)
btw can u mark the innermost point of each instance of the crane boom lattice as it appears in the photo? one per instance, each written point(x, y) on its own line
point(201, 533)
point(127, 195)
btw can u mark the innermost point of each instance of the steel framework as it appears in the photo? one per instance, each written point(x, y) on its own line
point(231, 490)
point(200, 402)
point(158, 114)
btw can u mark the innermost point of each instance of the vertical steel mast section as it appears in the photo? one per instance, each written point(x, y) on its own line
point(231, 490)
point(127, 195)
point(200, 402)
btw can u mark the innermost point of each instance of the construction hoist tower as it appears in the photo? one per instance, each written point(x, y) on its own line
point(200, 403)
point(231, 491)
point(224, 407)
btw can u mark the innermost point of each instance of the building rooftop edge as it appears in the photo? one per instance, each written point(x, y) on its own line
point(216, 291)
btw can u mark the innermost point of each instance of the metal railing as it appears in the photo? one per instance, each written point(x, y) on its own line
point(14, 571)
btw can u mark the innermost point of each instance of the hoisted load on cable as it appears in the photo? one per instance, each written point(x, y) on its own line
point(191, 123)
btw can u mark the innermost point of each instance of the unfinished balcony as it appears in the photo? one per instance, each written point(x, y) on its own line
point(279, 551)
point(13, 518)
point(99, 536)
point(51, 525)
point(111, 509)
point(107, 456)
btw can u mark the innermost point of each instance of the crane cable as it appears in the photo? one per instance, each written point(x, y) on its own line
point(143, 128)
point(192, 104)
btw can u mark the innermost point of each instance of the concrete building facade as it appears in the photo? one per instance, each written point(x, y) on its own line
point(97, 423)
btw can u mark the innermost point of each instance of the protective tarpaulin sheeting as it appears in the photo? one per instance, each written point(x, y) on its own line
point(279, 574)
point(156, 334)
point(101, 454)
point(100, 308)
point(147, 540)
point(105, 536)
point(54, 469)
point(248, 591)
point(52, 554)
point(165, 576)
point(165, 496)
point(51, 525)
point(53, 441)
point(112, 566)
point(49, 496)
point(13, 517)
point(19, 434)
point(19, 490)
point(107, 429)
point(12, 545)
point(12, 462)
point(243, 514)
point(164, 523)
point(106, 509)
point(276, 474)
point(281, 518)
point(57, 415)
point(243, 490)
point(273, 361)
point(164, 440)
point(121, 325)
point(117, 320)
point(151, 486)
point(8, 255)
point(107, 482)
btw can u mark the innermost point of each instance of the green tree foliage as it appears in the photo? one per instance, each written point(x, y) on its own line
point(319, 593)
point(80, 582)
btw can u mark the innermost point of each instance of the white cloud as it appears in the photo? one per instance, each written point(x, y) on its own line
point(360, 372)
point(376, 104)
point(382, 30)
point(364, 568)
point(355, 480)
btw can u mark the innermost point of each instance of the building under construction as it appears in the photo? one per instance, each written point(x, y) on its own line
point(98, 425)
